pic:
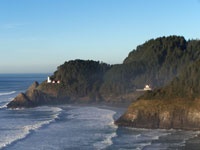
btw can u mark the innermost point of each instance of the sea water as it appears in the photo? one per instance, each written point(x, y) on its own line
point(69, 127)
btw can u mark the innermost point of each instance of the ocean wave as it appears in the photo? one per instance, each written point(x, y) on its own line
point(4, 106)
point(142, 138)
point(175, 139)
point(97, 119)
point(23, 132)
point(143, 145)
point(107, 141)
point(5, 102)
point(7, 93)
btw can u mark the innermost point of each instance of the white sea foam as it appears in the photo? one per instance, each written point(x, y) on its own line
point(143, 139)
point(107, 140)
point(175, 138)
point(21, 132)
point(7, 93)
point(4, 103)
point(4, 106)
point(100, 120)
point(138, 135)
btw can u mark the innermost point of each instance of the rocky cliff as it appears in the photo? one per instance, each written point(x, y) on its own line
point(153, 114)
point(32, 98)
point(176, 105)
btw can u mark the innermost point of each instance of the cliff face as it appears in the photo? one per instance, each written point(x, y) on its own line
point(176, 105)
point(176, 114)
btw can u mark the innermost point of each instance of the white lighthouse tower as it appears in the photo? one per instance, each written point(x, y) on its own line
point(48, 80)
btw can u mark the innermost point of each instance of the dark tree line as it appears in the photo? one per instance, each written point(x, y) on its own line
point(156, 62)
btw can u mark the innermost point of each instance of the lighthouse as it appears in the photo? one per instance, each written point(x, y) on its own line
point(147, 88)
point(48, 80)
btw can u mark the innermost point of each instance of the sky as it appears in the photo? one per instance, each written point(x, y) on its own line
point(36, 36)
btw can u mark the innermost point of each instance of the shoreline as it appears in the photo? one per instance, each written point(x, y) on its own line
point(190, 144)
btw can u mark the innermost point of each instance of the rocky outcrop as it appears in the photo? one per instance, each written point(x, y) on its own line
point(31, 89)
point(176, 114)
point(20, 101)
point(32, 98)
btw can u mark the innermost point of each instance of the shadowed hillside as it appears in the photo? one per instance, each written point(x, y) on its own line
point(185, 86)
point(156, 62)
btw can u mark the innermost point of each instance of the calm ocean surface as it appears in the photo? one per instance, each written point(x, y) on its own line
point(76, 127)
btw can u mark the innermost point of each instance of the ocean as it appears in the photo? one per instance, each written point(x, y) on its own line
point(73, 127)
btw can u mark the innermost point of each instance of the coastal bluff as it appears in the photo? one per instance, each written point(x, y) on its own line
point(176, 105)
point(154, 114)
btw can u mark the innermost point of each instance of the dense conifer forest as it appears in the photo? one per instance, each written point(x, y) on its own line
point(156, 62)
